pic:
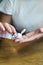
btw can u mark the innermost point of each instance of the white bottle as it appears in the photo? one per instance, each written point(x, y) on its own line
point(18, 35)
point(10, 36)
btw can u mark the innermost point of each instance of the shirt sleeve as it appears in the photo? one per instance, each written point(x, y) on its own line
point(6, 6)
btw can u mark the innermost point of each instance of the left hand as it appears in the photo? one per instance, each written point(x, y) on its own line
point(32, 36)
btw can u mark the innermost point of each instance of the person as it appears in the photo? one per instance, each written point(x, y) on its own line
point(26, 14)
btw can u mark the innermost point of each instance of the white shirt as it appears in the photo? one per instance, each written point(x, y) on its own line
point(26, 14)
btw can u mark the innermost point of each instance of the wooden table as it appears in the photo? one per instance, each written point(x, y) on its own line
point(31, 54)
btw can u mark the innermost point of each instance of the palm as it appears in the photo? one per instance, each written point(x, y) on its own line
point(31, 36)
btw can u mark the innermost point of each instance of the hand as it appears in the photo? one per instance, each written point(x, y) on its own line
point(32, 36)
point(7, 27)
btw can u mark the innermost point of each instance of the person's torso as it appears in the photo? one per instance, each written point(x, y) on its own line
point(28, 14)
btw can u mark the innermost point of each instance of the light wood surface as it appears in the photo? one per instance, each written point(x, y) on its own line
point(16, 54)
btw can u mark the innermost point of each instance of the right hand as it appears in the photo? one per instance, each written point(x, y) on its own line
point(7, 27)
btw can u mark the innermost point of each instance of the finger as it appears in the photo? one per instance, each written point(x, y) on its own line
point(7, 27)
point(17, 40)
point(2, 27)
point(13, 29)
point(23, 40)
point(34, 32)
point(30, 34)
point(25, 36)
point(32, 38)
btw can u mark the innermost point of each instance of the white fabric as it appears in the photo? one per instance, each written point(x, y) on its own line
point(25, 13)
point(6, 6)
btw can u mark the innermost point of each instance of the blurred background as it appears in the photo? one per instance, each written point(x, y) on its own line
point(0, 0)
